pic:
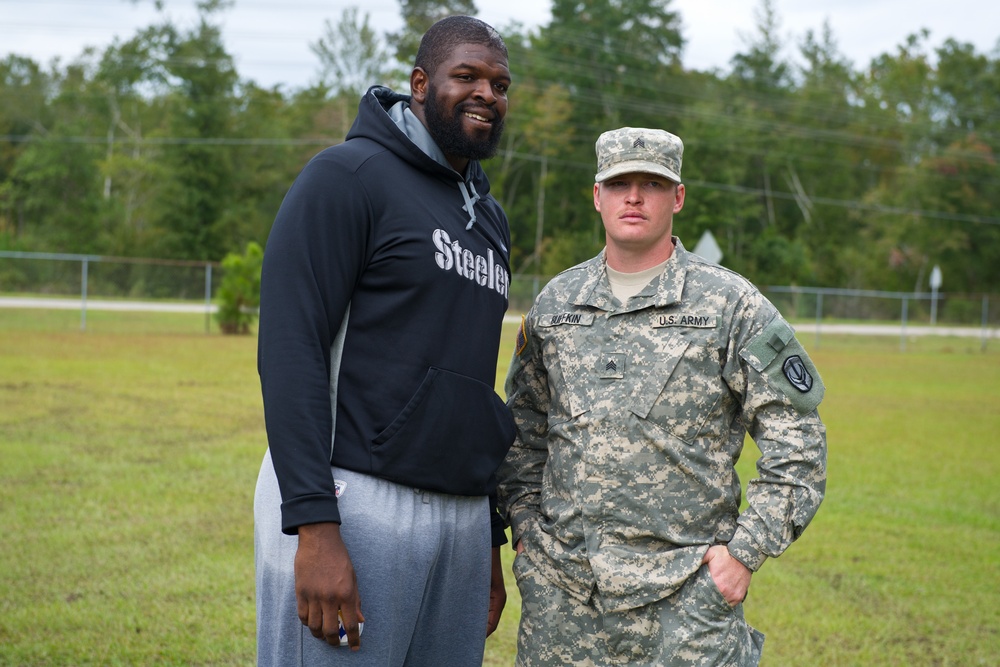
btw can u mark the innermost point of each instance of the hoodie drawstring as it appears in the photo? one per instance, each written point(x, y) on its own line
point(470, 201)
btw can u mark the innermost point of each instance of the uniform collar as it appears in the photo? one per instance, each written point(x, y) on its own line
point(668, 289)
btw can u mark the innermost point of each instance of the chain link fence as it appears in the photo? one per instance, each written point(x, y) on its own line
point(904, 314)
point(917, 308)
point(91, 284)
point(95, 284)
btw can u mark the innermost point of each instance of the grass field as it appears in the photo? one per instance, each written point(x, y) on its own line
point(129, 459)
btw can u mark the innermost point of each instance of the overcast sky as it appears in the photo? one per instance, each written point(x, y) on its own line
point(270, 38)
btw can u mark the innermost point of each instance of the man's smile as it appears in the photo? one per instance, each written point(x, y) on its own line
point(479, 117)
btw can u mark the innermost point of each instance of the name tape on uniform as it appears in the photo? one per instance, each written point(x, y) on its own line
point(685, 320)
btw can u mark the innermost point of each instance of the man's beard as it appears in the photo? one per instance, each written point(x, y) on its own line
point(447, 132)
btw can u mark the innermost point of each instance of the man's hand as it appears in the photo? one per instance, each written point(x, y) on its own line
point(498, 593)
point(325, 584)
point(731, 576)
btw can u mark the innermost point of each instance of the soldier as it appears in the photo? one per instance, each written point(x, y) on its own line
point(634, 379)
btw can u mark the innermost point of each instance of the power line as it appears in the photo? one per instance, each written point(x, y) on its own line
point(846, 125)
point(172, 141)
point(759, 192)
point(708, 185)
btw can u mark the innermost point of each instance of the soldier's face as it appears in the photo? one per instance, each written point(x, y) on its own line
point(638, 211)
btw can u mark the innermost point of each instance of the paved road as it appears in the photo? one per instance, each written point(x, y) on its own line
point(896, 330)
point(99, 304)
point(801, 328)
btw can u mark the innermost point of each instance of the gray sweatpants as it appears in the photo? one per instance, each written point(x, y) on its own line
point(423, 566)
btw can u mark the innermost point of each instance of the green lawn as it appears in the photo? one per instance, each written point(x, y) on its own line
point(129, 459)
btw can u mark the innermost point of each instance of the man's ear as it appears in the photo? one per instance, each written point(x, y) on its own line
point(679, 198)
point(418, 85)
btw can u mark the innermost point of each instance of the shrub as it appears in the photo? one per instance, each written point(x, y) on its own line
point(239, 292)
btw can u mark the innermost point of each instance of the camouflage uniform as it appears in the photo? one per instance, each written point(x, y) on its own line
point(630, 419)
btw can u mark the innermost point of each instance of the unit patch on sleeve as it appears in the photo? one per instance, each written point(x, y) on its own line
point(780, 358)
point(797, 373)
point(521, 341)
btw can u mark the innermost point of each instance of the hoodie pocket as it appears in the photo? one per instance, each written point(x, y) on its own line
point(450, 437)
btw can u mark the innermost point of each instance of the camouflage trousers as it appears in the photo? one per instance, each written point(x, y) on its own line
point(693, 627)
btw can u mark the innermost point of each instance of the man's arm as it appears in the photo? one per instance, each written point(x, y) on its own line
point(780, 394)
point(498, 593)
point(520, 475)
point(314, 255)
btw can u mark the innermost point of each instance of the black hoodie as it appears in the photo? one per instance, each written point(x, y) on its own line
point(384, 286)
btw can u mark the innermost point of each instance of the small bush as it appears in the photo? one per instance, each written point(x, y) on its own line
point(239, 292)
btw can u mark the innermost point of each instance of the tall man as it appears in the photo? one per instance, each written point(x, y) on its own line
point(634, 380)
point(384, 286)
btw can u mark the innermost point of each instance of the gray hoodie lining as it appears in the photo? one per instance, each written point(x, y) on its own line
point(415, 131)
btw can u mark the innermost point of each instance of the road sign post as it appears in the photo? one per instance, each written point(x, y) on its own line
point(935, 286)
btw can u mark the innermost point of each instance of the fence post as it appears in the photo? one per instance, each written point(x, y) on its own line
point(83, 294)
point(902, 328)
point(986, 321)
point(819, 314)
point(208, 297)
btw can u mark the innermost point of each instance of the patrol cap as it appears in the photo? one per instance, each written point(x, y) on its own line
point(628, 150)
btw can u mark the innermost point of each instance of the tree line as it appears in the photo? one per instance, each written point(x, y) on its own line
point(810, 171)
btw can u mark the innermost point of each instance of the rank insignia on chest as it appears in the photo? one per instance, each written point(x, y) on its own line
point(611, 366)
